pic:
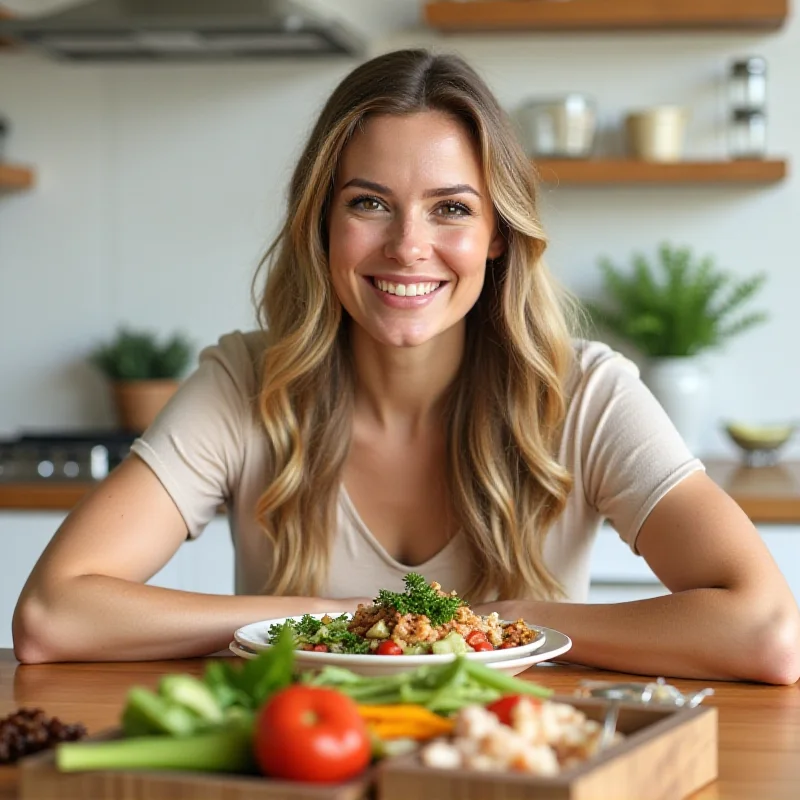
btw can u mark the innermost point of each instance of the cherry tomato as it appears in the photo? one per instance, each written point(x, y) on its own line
point(502, 708)
point(479, 647)
point(310, 733)
point(475, 636)
point(321, 648)
point(389, 648)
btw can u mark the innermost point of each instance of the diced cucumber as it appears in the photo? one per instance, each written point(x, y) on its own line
point(415, 650)
point(452, 643)
point(378, 631)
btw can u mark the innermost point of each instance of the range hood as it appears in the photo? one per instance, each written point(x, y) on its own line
point(184, 30)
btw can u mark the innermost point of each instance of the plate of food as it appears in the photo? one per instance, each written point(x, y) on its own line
point(422, 625)
point(554, 645)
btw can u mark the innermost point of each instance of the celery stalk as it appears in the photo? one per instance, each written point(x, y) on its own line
point(507, 684)
point(226, 750)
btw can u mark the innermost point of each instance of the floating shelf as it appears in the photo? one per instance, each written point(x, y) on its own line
point(15, 178)
point(605, 15)
point(5, 43)
point(569, 172)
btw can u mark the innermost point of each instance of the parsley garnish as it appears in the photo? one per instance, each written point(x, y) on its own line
point(420, 598)
point(335, 635)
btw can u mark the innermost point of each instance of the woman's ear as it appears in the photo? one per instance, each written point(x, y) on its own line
point(497, 247)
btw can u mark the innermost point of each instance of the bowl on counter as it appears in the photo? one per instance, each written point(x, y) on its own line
point(760, 444)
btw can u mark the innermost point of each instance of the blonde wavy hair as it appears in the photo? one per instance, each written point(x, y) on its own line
point(506, 409)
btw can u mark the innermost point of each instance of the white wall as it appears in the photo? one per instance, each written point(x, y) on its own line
point(158, 188)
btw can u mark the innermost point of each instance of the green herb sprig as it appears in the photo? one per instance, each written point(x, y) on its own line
point(420, 598)
point(308, 630)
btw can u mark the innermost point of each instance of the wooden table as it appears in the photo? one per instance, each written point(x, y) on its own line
point(766, 494)
point(759, 726)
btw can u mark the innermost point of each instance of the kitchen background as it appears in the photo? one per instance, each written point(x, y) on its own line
point(158, 188)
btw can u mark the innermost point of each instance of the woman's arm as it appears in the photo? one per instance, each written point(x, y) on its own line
point(86, 600)
point(731, 614)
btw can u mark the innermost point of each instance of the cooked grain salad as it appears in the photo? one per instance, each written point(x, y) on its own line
point(422, 619)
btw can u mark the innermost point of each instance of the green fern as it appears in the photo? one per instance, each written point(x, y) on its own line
point(138, 355)
point(680, 309)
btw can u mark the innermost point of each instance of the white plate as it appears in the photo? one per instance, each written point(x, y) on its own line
point(256, 637)
point(555, 644)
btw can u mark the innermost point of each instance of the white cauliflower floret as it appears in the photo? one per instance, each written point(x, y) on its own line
point(502, 744)
point(475, 722)
point(526, 719)
point(442, 755)
point(539, 760)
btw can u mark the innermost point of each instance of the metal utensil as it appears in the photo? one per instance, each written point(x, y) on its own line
point(609, 725)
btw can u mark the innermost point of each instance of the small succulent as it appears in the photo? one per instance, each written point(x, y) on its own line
point(138, 355)
point(679, 309)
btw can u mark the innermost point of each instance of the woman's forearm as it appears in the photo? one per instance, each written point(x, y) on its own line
point(699, 633)
point(98, 618)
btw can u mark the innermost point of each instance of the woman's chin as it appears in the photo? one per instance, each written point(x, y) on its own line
point(403, 339)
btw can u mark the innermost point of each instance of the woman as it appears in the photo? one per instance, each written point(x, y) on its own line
point(415, 403)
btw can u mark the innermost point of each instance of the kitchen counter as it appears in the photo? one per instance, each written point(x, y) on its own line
point(767, 494)
point(759, 726)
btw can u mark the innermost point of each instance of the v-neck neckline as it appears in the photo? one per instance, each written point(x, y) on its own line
point(366, 533)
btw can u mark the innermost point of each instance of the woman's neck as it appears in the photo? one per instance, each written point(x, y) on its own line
point(402, 390)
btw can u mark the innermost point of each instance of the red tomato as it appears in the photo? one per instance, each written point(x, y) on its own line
point(389, 648)
point(502, 708)
point(309, 733)
point(475, 636)
point(321, 648)
point(479, 647)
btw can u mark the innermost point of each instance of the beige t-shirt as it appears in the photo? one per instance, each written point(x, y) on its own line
point(207, 448)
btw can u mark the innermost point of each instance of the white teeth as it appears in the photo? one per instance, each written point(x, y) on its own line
point(407, 289)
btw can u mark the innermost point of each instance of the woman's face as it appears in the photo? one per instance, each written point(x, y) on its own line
point(410, 227)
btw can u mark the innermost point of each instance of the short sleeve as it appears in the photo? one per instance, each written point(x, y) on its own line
point(631, 453)
point(196, 445)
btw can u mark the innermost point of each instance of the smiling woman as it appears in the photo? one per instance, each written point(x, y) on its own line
point(415, 399)
point(410, 228)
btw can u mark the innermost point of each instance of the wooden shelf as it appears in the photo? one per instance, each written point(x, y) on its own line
point(597, 172)
point(605, 15)
point(15, 178)
point(41, 496)
point(5, 43)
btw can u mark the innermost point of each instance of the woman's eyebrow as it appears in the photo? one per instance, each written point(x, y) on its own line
point(444, 191)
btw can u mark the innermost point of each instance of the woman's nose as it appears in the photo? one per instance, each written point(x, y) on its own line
point(408, 242)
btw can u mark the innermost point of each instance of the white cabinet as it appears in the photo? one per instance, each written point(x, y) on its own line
point(618, 575)
point(203, 565)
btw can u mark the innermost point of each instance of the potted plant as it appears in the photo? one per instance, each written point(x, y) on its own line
point(672, 313)
point(144, 373)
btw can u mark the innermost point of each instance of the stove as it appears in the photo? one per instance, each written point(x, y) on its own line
point(57, 457)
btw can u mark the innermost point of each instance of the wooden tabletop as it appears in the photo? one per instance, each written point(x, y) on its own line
point(759, 726)
point(767, 494)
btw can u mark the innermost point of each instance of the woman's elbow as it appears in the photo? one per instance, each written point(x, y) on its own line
point(776, 655)
point(29, 628)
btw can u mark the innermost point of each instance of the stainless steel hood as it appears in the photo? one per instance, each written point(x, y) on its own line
point(184, 30)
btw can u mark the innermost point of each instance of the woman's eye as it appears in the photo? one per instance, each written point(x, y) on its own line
point(454, 210)
point(366, 203)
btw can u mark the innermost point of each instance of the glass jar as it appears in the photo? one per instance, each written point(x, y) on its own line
point(748, 83)
point(748, 134)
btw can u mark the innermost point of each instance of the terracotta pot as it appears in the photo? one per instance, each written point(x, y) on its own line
point(139, 402)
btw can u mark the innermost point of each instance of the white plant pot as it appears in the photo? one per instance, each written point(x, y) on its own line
point(681, 387)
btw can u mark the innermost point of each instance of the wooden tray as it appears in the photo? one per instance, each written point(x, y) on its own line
point(39, 779)
point(668, 754)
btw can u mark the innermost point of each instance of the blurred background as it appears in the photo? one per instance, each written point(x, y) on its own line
point(143, 193)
